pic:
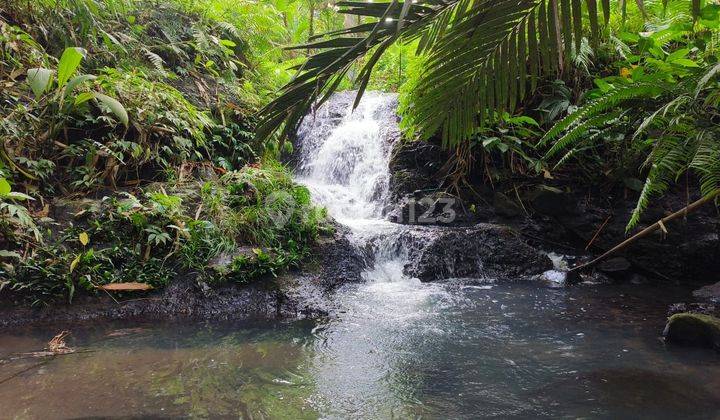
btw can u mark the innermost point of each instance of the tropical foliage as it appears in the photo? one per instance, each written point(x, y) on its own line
point(481, 62)
point(479, 57)
point(127, 151)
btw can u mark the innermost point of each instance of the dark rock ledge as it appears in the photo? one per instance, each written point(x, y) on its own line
point(305, 294)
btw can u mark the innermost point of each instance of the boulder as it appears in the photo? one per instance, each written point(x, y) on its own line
point(693, 329)
point(434, 208)
point(415, 165)
point(480, 251)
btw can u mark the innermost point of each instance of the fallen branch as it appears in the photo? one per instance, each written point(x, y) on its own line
point(660, 224)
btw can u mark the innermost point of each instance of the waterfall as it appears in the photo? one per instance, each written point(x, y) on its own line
point(343, 159)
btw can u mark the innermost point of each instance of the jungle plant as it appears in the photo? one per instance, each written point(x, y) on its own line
point(671, 108)
point(15, 218)
point(480, 57)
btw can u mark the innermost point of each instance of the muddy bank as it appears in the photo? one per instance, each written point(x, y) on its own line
point(305, 293)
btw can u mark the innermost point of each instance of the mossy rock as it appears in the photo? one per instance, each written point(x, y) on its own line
point(693, 329)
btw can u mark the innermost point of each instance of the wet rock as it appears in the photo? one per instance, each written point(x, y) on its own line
point(338, 260)
point(554, 278)
point(481, 251)
point(693, 329)
point(614, 265)
point(184, 298)
point(551, 201)
point(505, 206)
point(702, 308)
point(414, 165)
point(595, 277)
point(709, 293)
point(433, 208)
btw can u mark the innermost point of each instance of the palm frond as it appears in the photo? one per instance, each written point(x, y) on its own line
point(481, 57)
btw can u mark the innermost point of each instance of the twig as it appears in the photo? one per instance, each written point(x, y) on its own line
point(648, 230)
point(16, 374)
point(598, 232)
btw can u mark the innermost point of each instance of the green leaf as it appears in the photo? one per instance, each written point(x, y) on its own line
point(681, 53)
point(19, 196)
point(84, 97)
point(39, 80)
point(4, 187)
point(115, 106)
point(685, 62)
point(78, 80)
point(69, 63)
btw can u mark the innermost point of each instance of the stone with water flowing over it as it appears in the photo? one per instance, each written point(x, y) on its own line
point(709, 293)
point(554, 278)
point(481, 251)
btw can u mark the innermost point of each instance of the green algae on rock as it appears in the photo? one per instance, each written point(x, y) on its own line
point(693, 329)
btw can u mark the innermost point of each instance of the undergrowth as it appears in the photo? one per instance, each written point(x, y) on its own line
point(128, 153)
point(238, 227)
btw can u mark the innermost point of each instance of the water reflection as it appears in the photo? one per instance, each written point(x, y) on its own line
point(400, 349)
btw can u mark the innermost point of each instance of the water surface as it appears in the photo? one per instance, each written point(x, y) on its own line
point(399, 349)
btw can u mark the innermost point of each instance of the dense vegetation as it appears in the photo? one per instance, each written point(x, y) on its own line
point(530, 87)
point(128, 153)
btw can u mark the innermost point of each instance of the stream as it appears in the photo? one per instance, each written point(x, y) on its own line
point(396, 348)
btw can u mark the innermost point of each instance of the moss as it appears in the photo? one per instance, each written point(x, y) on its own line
point(693, 329)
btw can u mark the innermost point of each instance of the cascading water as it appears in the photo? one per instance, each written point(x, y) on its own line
point(344, 157)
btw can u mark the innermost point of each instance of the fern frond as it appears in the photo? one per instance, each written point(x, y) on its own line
point(707, 77)
point(155, 59)
point(611, 99)
point(229, 28)
point(666, 168)
point(579, 130)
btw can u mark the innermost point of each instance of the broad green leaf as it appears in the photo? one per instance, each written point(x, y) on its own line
point(115, 106)
point(4, 187)
point(39, 80)
point(69, 63)
point(84, 97)
point(77, 81)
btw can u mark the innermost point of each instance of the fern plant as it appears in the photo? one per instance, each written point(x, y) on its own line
point(674, 125)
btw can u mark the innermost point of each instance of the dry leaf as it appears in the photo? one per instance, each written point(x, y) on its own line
point(74, 263)
point(84, 238)
point(126, 287)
